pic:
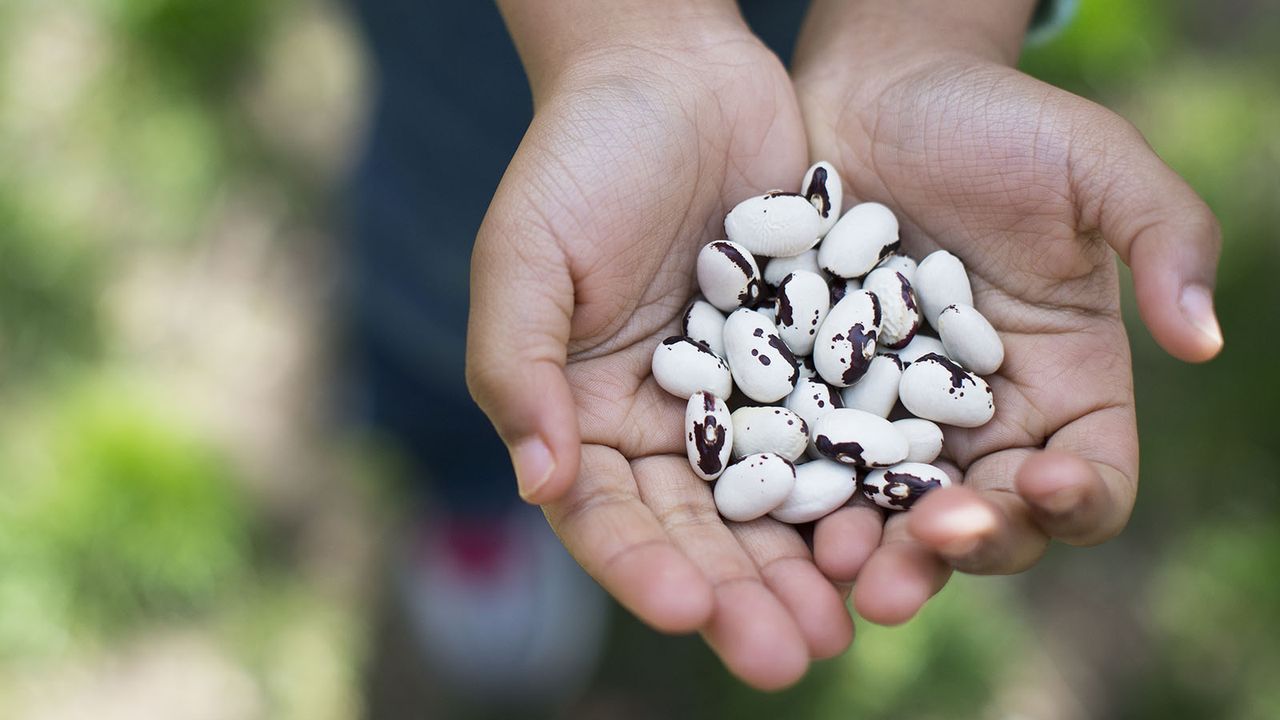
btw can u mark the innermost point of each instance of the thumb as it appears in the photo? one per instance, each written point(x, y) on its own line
point(1161, 229)
point(518, 330)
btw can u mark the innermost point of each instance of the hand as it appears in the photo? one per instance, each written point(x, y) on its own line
point(583, 265)
point(1033, 188)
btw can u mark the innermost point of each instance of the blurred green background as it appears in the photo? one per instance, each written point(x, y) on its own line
point(183, 534)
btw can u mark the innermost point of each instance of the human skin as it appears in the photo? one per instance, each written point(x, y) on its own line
point(1037, 190)
point(652, 119)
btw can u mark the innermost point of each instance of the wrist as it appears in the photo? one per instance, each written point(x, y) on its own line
point(555, 39)
point(842, 43)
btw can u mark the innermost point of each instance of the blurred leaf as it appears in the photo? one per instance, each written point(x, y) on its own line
point(120, 508)
point(201, 45)
point(48, 289)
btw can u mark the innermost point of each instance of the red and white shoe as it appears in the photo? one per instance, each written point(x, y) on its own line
point(503, 614)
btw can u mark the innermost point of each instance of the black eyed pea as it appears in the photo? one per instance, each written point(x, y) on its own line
point(776, 224)
point(900, 486)
point(821, 487)
point(846, 340)
point(866, 234)
point(728, 275)
point(822, 186)
point(682, 367)
point(970, 340)
point(899, 311)
point(876, 391)
point(857, 437)
point(940, 281)
point(708, 434)
point(763, 368)
point(768, 429)
point(753, 486)
point(924, 439)
point(802, 303)
point(936, 388)
point(703, 323)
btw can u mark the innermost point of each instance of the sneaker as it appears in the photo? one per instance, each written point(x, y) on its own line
point(504, 616)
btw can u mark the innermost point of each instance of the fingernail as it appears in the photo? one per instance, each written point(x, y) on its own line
point(534, 464)
point(1197, 307)
point(968, 525)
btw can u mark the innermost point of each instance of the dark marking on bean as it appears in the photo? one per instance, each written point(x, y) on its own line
point(958, 374)
point(818, 188)
point(915, 486)
point(908, 295)
point(785, 313)
point(708, 440)
point(736, 257)
point(845, 452)
point(696, 345)
point(787, 357)
point(860, 339)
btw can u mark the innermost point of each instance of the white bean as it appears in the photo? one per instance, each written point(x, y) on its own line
point(859, 241)
point(820, 488)
point(900, 486)
point(762, 365)
point(802, 303)
point(776, 224)
point(682, 367)
point(936, 388)
point(970, 340)
point(753, 486)
point(728, 275)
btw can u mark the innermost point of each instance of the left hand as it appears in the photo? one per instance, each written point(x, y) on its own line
point(1033, 188)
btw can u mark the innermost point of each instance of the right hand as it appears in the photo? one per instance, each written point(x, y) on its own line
point(583, 265)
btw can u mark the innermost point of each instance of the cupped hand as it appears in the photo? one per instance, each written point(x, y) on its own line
point(1036, 190)
point(582, 266)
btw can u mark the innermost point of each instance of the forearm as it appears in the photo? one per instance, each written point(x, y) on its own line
point(889, 33)
point(552, 36)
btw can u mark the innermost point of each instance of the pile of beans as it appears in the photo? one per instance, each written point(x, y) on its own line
point(792, 374)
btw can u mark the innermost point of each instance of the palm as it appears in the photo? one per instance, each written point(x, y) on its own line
point(995, 191)
point(698, 134)
point(975, 160)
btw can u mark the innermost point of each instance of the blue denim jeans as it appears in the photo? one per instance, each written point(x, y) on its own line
point(451, 106)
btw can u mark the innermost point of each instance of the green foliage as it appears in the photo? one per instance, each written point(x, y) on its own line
point(1107, 44)
point(47, 293)
point(116, 512)
point(197, 44)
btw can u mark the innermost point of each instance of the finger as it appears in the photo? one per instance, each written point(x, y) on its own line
point(981, 527)
point(521, 307)
point(620, 543)
point(1082, 488)
point(784, 562)
point(750, 628)
point(1161, 229)
point(899, 577)
point(843, 540)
